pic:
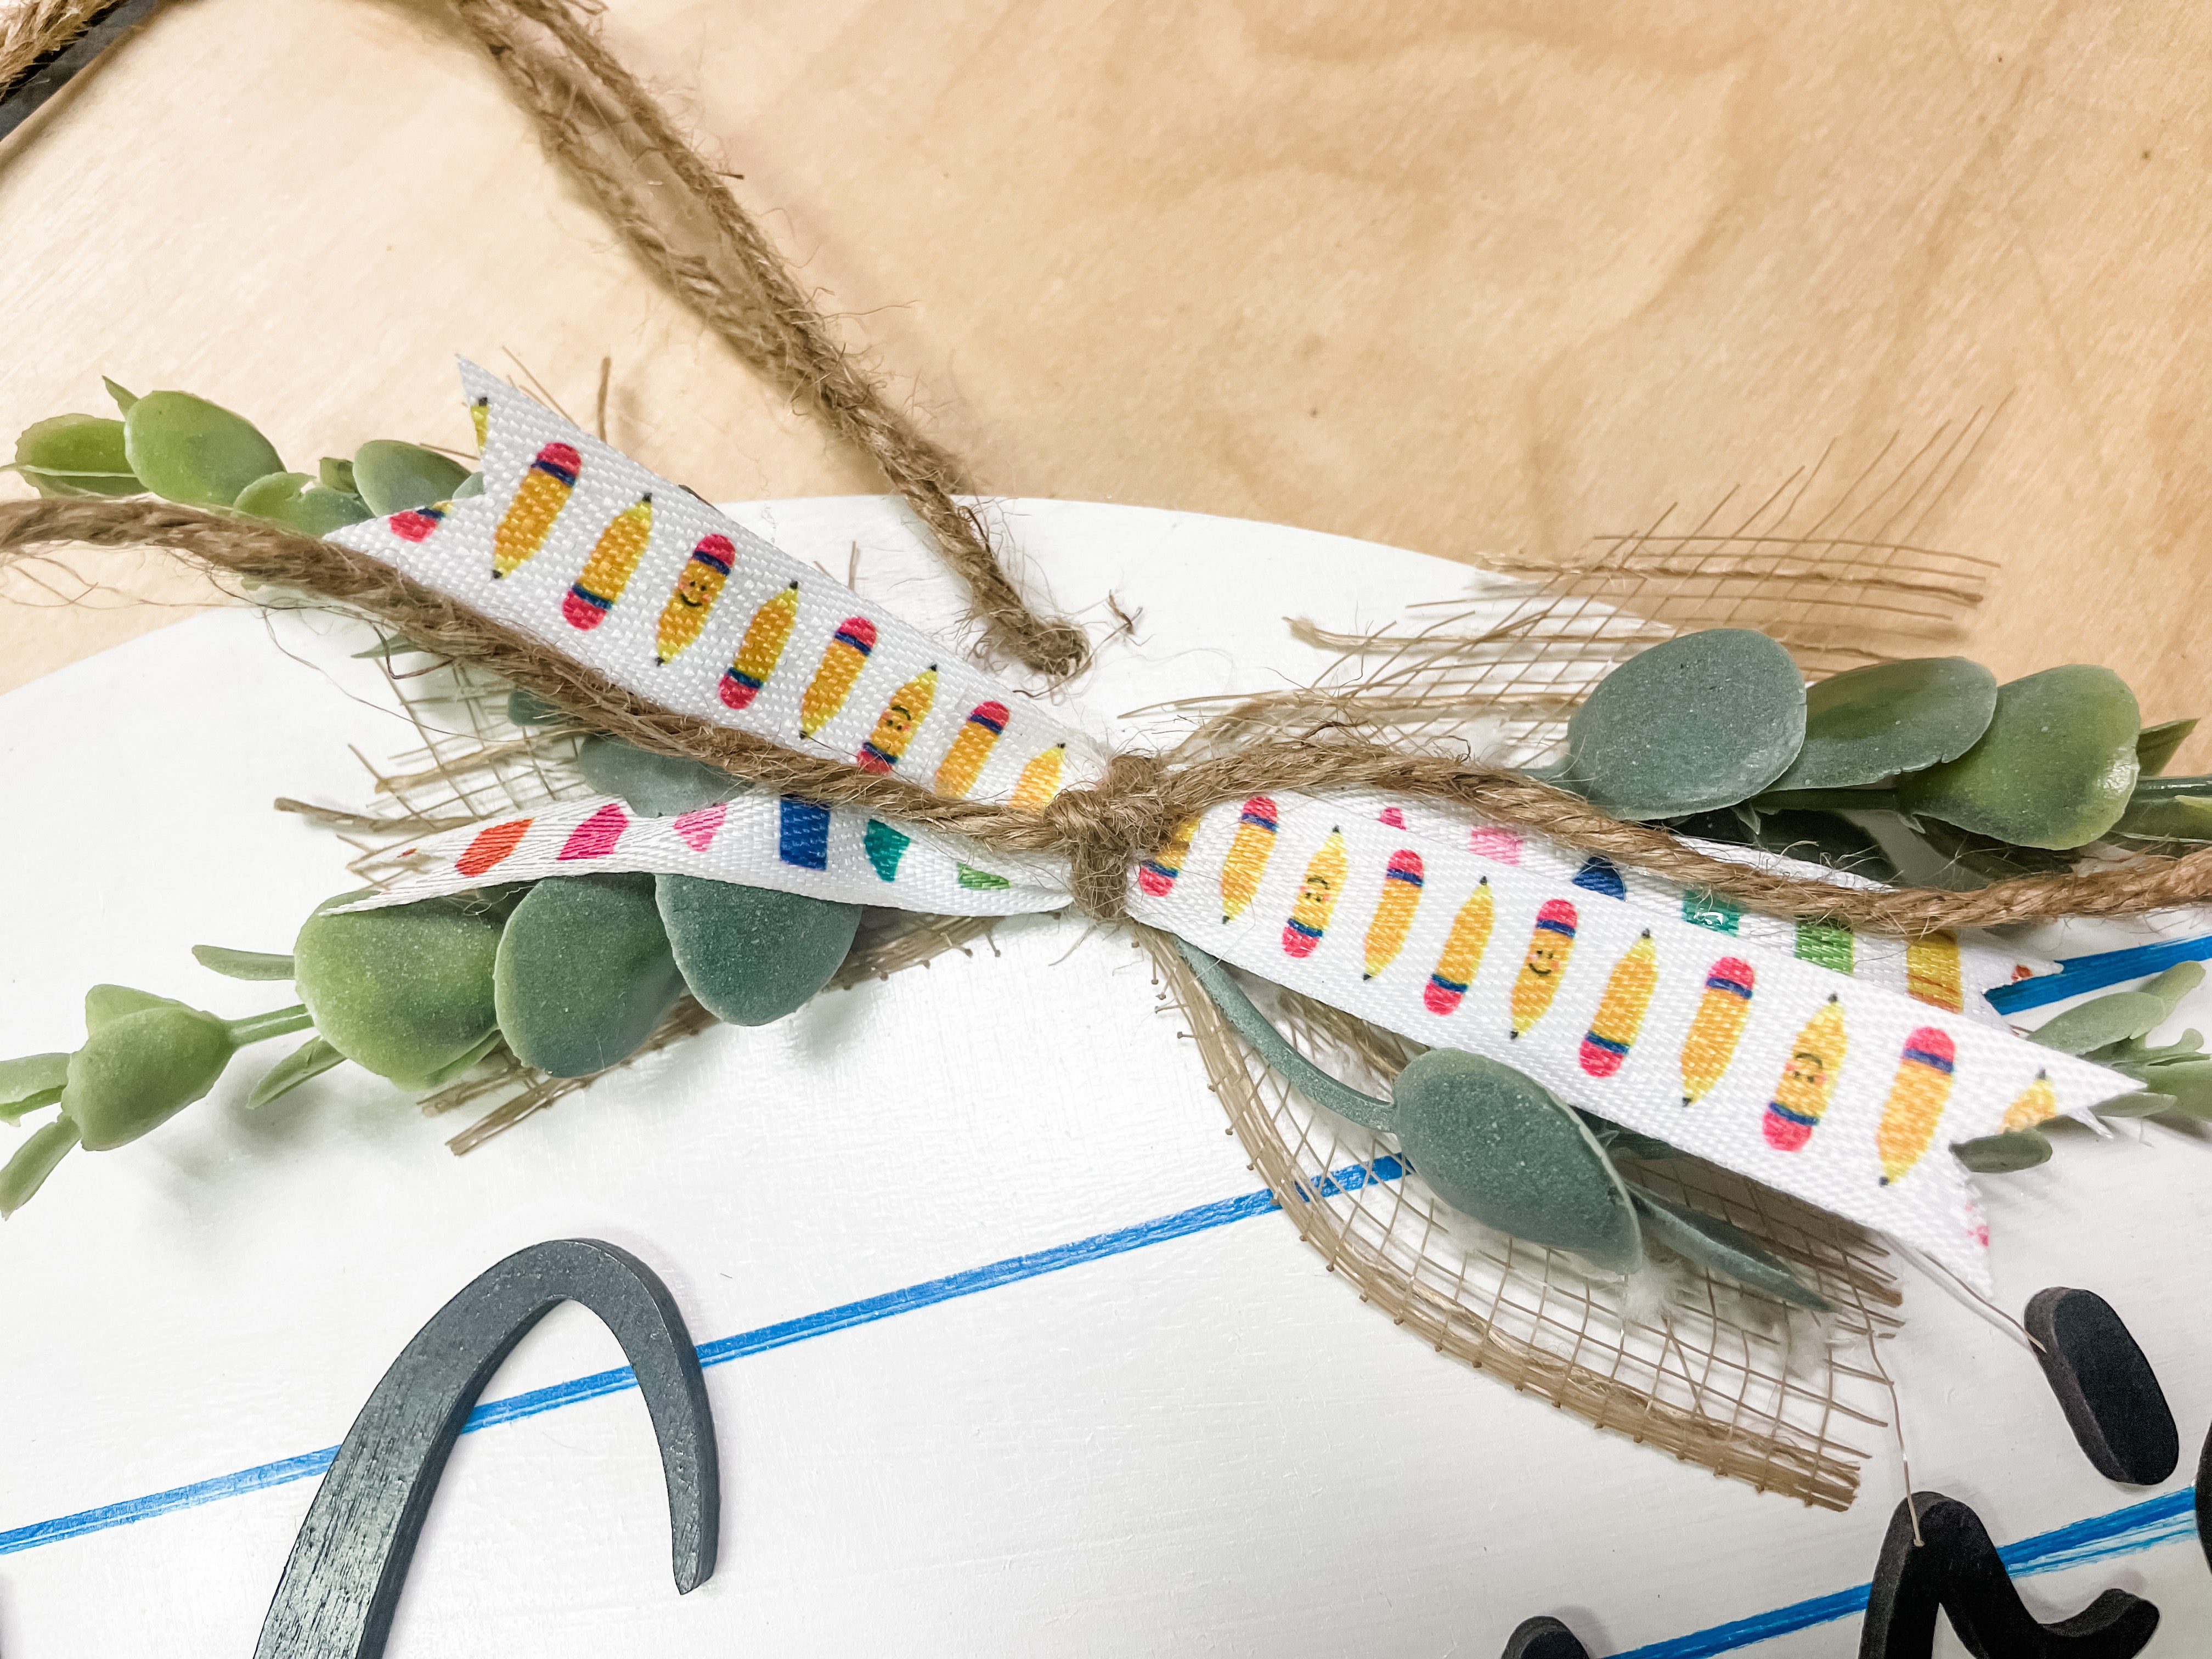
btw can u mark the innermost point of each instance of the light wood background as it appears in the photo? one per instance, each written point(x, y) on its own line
point(1490, 277)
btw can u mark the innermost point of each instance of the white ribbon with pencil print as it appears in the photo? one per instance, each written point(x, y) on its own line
point(1837, 1067)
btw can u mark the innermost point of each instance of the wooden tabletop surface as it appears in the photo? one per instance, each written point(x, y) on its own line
point(1488, 278)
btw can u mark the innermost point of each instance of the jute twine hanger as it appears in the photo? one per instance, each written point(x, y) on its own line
point(673, 207)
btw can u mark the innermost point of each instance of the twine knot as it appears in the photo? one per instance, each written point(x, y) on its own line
point(1106, 828)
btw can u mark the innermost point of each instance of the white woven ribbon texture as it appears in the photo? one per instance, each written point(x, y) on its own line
point(1840, 1069)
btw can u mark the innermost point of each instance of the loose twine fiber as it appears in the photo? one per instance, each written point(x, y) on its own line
point(1102, 831)
point(671, 204)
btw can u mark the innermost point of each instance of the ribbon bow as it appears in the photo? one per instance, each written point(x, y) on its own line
point(1837, 1066)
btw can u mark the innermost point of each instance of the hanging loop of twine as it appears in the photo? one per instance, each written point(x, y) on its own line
point(1102, 829)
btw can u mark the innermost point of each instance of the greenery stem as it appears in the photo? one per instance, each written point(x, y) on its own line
point(260, 1028)
point(2166, 788)
point(1825, 800)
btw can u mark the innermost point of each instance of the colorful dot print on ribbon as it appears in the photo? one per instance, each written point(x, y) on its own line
point(1039, 780)
point(902, 717)
point(697, 827)
point(1501, 845)
point(2036, 1102)
point(1602, 875)
point(885, 847)
point(843, 659)
point(597, 836)
point(1550, 944)
point(613, 563)
point(761, 650)
point(1717, 1026)
point(1825, 945)
point(529, 517)
point(1318, 891)
point(981, 881)
point(1916, 1101)
point(698, 584)
point(1619, 1014)
point(803, 835)
point(964, 763)
point(1394, 911)
point(1808, 1078)
point(1462, 953)
point(1932, 972)
point(1249, 849)
point(1710, 910)
point(1157, 874)
point(491, 845)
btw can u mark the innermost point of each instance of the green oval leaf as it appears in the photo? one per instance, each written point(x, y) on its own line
point(76, 455)
point(752, 955)
point(2142, 1105)
point(34, 1162)
point(30, 1082)
point(242, 964)
point(2101, 1020)
point(1699, 722)
point(655, 786)
point(311, 1059)
point(2175, 983)
point(2155, 745)
point(137, 1070)
point(393, 477)
point(335, 474)
point(2187, 1082)
point(1724, 1248)
point(2005, 1154)
point(298, 502)
point(103, 1003)
point(1873, 723)
point(1495, 1143)
point(403, 991)
point(584, 973)
point(2055, 768)
point(187, 449)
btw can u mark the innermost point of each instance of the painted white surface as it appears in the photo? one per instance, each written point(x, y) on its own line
point(1203, 1446)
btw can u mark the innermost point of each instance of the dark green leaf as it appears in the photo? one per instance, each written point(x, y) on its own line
point(1275, 1050)
point(392, 477)
point(1722, 1247)
point(298, 502)
point(2155, 745)
point(311, 1059)
point(2004, 1154)
point(752, 955)
point(189, 450)
point(1699, 722)
point(584, 973)
point(2167, 818)
point(2054, 769)
point(1873, 723)
point(2142, 1105)
point(525, 708)
point(403, 991)
point(1496, 1144)
point(1985, 855)
point(654, 786)
point(34, 1162)
point(242, 964)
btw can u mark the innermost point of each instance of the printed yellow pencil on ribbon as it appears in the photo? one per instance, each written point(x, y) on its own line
point(843, 659)
point(1932, 972)
point(1039, 780)
point(2034, 1104)
point(1716, 1028)
point(896, 726)
point(1917, 1098)
point(761, 650)
point(1317, 896)
point(1462, 953)
point(1249, 849)
point(543, 491)
point(1550, 944)
point(480, 418)
point(1157, 874)
point(1808, 1079)
point(1394, 911)
point(698, 584)
point(613, 563)
point(1619, 1014)
point(964, 763)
